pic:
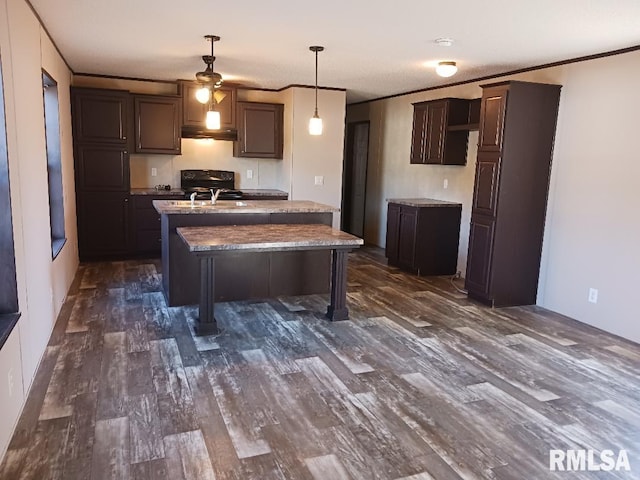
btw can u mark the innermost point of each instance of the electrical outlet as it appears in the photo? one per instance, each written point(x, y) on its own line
point(319, 180)
point(10, 382)
point(445, 184)
point(249, 173)
point(154, 172)
point(593, 295)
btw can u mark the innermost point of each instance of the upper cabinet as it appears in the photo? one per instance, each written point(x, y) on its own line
point(194, 112)
point(441, 130)
point(101, 116)
point(157, 121)
point(260, 130)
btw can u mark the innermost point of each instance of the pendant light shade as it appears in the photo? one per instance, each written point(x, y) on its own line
point(315, 123)
point(203, 94)
point(213, 120)
point(446, 69)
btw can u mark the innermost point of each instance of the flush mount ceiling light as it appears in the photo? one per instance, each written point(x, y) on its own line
point(444, 42)
point(446, 69)
point(315, 123)
point(208, 77)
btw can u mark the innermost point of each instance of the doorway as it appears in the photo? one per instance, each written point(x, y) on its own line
point(355, 178)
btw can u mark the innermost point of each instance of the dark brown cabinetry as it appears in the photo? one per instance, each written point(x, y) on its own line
point(146, 223)
point(194, 112)
point(260, 130)
point(441, 131)
point(517, 128)
point(157, 121)
point(100, 132)
point(422, 237)
point(101, 116)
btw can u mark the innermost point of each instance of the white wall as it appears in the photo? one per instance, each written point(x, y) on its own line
point(318, 155)
point(591, 233)
point(42, 283)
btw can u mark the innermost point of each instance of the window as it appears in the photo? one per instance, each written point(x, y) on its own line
point(54, 163)
point(8, 287)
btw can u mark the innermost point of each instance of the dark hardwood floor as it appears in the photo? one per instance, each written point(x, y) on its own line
point(420, 384)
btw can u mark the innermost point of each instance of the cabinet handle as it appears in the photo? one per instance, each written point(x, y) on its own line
point(124, 138)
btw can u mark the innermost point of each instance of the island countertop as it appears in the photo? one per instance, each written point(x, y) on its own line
point(423, 202)
point(265, 237)
point(182, 207)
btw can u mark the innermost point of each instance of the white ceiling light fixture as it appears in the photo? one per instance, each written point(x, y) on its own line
point(315, 123)
point(208, 78)
point(446, 69)
point(444, 42)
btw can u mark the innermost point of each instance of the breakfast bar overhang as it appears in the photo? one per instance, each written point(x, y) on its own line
point(207, 243)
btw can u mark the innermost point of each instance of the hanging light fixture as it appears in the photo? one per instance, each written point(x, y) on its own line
point(315, 123)
point(208, 78)
point(446, 69)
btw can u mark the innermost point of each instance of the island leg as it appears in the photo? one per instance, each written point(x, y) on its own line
point(207, 324)
point(337, 309)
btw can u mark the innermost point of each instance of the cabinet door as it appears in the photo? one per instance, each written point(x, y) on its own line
point(102, 167)
point(479, 255)
point(194, 112)
point(260, 132)
point(393, 233)
point(419, 132)
point(492, 115)
point(157, 124)
point(435, 132)
point(100, 116)
point(485, 193)
point(407, 239)
point(103, 224)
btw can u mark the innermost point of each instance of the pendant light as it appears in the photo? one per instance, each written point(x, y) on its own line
point(208, 77)
point(315, 123)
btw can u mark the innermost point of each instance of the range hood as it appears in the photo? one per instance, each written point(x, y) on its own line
point(201, 132)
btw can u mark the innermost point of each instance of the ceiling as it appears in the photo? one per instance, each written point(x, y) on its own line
point(372, 48)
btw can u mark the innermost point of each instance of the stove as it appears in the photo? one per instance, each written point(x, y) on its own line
point(203, 181)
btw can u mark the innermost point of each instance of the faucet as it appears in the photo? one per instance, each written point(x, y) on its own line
point(193, 199)
point(214, 195)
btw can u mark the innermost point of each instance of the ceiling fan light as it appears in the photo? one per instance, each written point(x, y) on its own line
point(203, 94)
point(446, 69)
point(213, 120)
point(315, 125)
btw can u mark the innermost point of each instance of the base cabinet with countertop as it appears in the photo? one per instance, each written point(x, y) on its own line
point(145, 220)
point(423, 235)
point(517, 129)
point(243, 276)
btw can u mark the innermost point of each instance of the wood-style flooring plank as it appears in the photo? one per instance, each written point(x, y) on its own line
point(187, 457)
point(111, 458)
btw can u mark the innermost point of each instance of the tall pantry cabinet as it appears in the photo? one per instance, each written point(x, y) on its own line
point(101, 139)
point(515, 146)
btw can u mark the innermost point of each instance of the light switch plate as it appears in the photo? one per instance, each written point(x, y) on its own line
point(154, 172)
point(319, 180)
point(249, 173)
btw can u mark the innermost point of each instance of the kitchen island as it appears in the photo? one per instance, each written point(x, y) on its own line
point(211, 244)
point(244, 275)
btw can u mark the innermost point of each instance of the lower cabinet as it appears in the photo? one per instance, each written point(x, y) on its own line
point(145, 224)
point(103, 224)
point(423, 235)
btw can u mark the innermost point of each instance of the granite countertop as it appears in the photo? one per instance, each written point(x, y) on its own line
point(265, 237)
point(180, 207)
point(423, 202)
point(153, 191)
point(263, 192)
point(254, 192)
